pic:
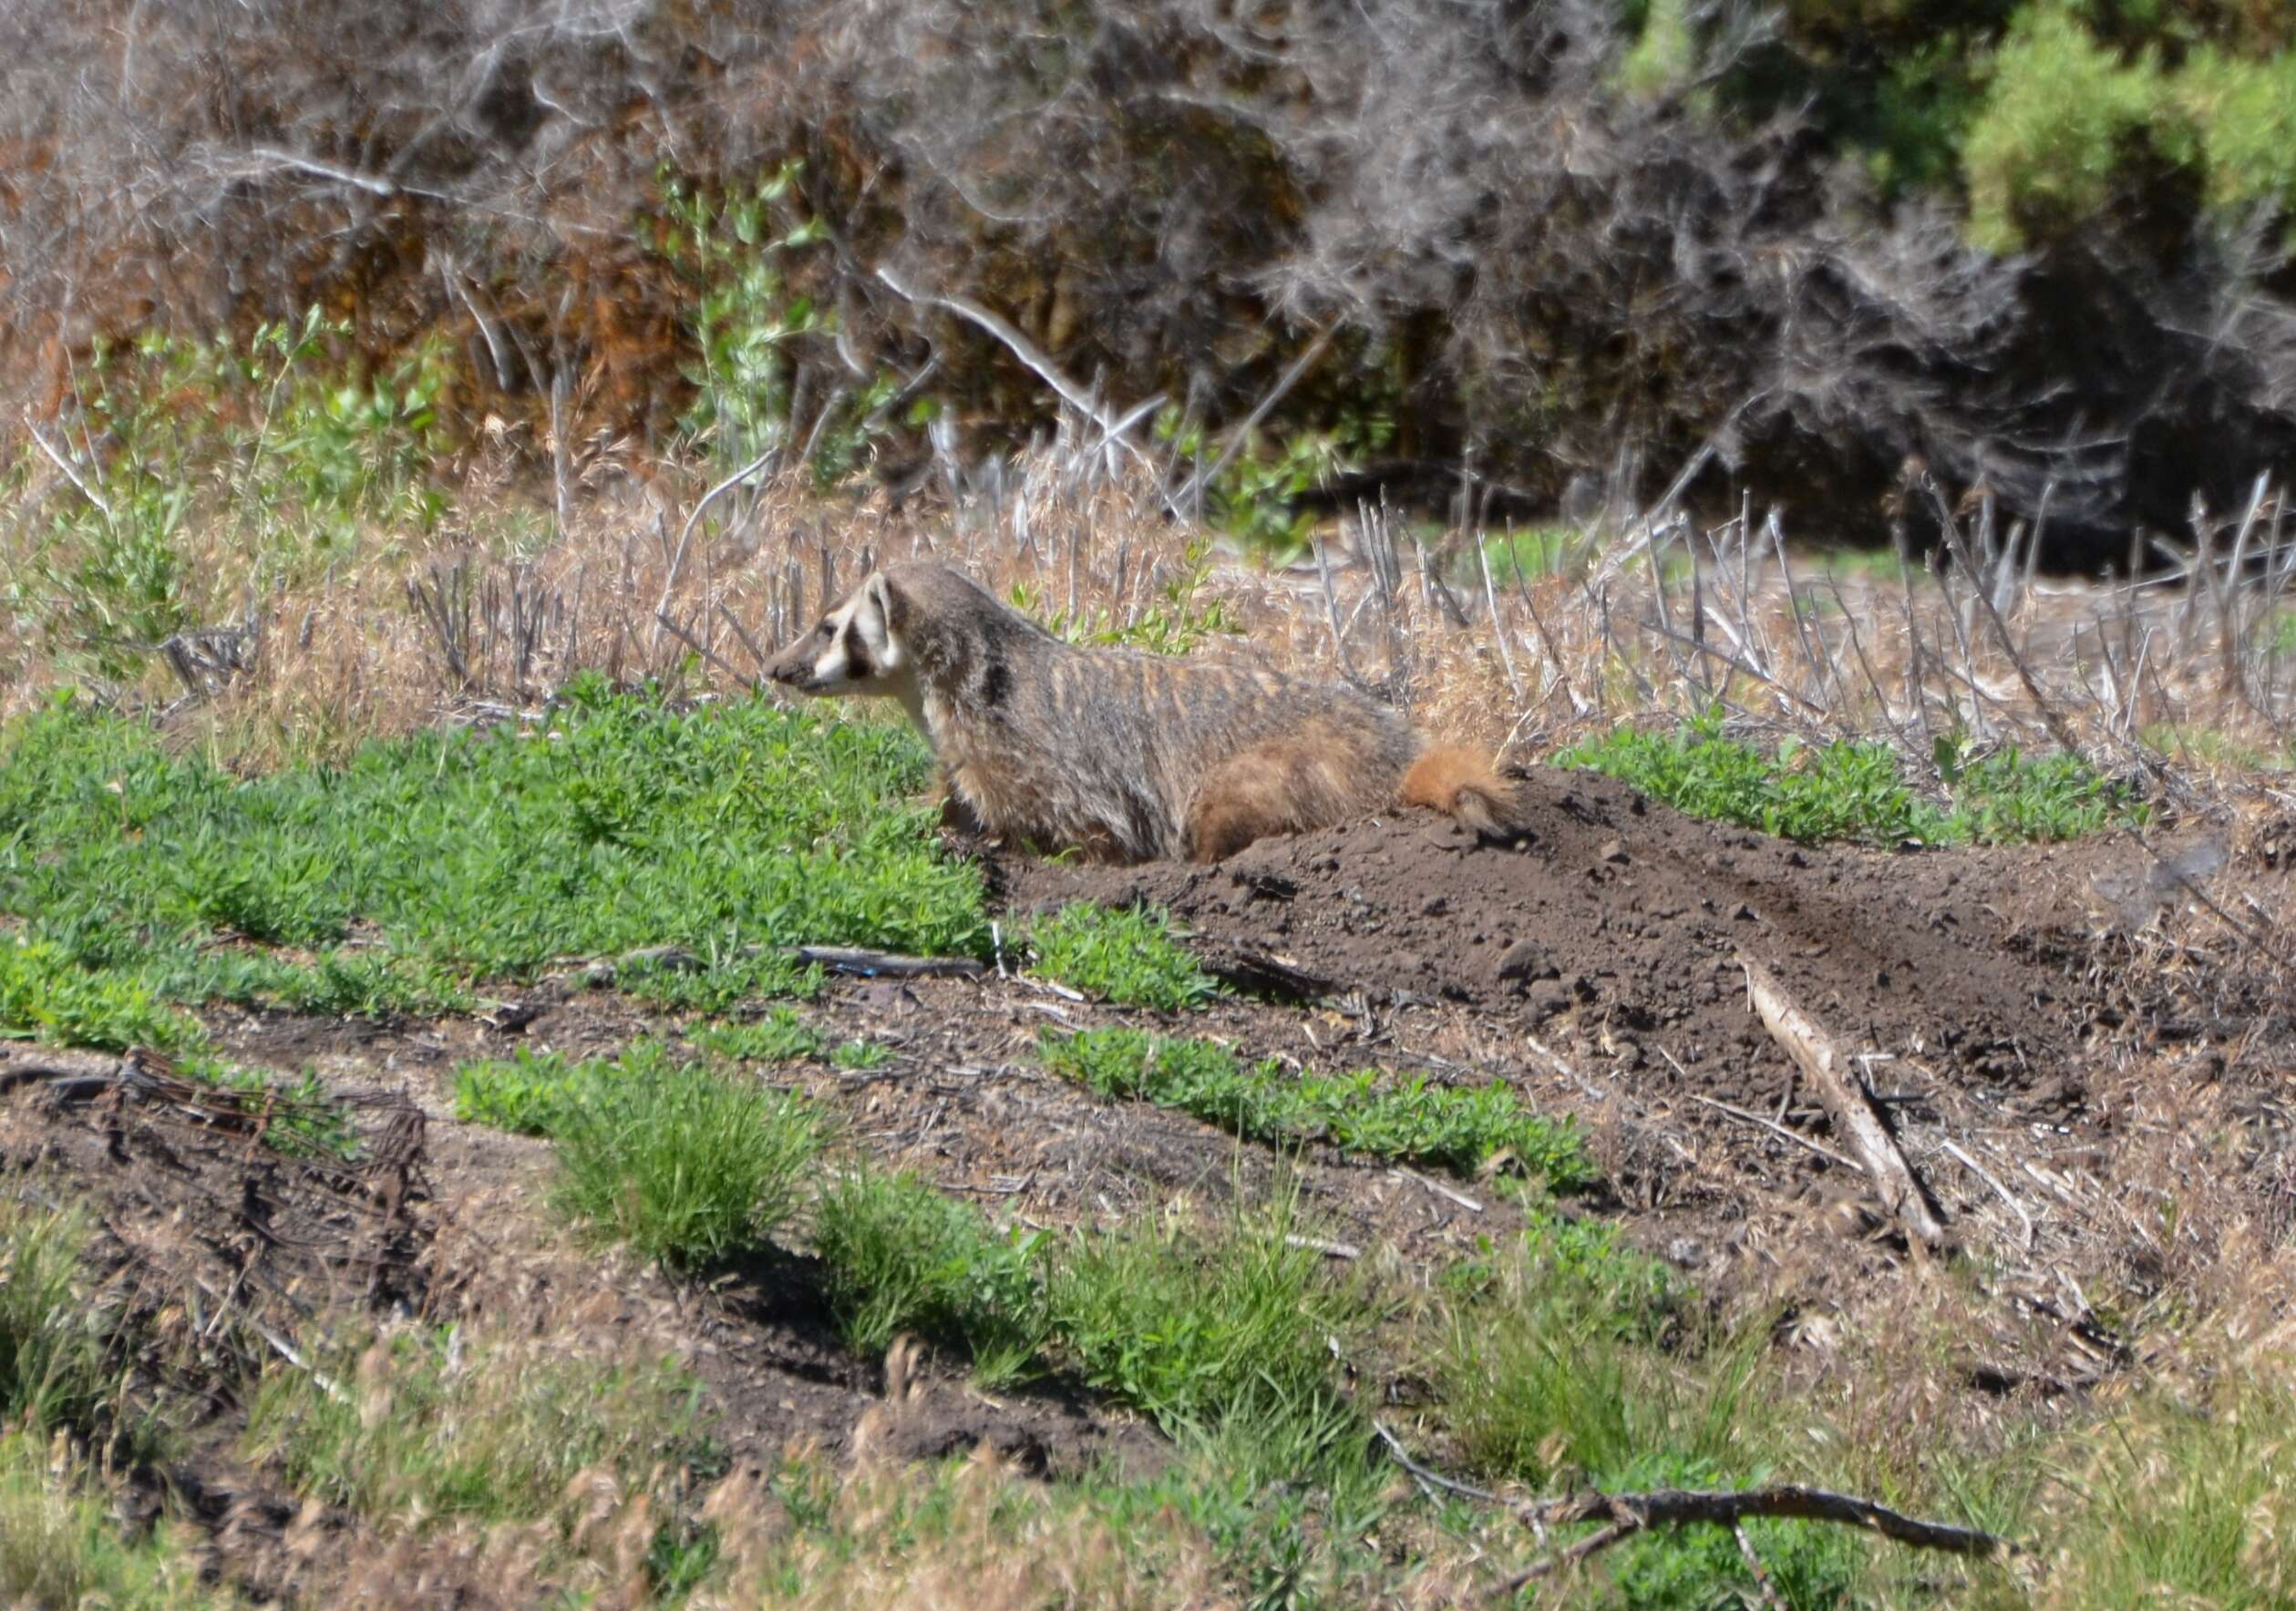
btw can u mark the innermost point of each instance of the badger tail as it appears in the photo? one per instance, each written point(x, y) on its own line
point(1463, 785)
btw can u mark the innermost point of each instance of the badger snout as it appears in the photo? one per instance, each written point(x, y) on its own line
point(793, 669)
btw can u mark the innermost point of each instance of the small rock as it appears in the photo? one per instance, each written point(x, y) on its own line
point(1744, 913)
point(1614, 851)
point(1548, 998)
point(1436, 906)
point(1522, 962)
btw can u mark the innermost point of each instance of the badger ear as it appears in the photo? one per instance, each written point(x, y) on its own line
point(881, 609)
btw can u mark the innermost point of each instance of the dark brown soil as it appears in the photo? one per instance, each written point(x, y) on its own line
point(1611, 934)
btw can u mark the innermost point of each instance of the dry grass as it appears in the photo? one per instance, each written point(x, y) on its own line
point(878, 1534)
point(2188, 685)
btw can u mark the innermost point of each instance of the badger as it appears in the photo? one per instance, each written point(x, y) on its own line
point(1121, 755)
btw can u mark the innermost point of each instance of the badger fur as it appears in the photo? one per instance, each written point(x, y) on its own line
point(1123, 756)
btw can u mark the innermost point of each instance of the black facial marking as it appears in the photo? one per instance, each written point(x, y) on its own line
point(857, 651)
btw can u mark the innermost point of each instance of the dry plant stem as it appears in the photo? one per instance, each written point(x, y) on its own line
point(1813, 1050)
point(2001, 1191)
point(1188, 494)
point(2058, 728)
point(1761, 1572)
point(1826, 1152)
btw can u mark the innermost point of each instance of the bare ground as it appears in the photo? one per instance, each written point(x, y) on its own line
point(2052, 1033)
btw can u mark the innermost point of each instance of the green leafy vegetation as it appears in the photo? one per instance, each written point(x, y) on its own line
point(141, 876)
point(530, 1092)
point(1366, 1112)
point(1125, 956)
point(423, 1429)
point(2073, 112)
point(1526, 556)
point(860, 1054)
point(779, 1036)
point(43, 996)
point(285, 439)
point(1847, 789)
point(899, 1256)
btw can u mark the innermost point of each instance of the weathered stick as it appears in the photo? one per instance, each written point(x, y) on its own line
point(842, 959)
point(1629, 1514)
point(1814, 1052)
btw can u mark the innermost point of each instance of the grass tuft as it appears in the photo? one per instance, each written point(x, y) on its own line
point(1199, 1329)
point(54, 1344)
point(1125, 956)
point(899, 1257)
point(685, 1165)
point(59, 1544)
point(1366, 1113)
point(419, 1429)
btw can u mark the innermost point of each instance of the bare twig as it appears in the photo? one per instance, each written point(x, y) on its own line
point(1826, 1152)
point(2001, 1191)
point(1806, 1041)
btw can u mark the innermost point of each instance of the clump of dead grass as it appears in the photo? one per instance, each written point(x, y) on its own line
point(878, 1534)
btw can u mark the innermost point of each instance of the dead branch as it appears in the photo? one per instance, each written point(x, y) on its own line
point(1806, 1041)
point(1629, 1514)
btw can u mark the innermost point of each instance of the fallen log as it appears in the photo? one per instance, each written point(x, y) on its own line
point(1813, 1050)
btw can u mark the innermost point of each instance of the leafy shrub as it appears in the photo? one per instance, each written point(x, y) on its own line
point(1127, 957)
point(1364, 1112)
point(2042, 156)
point(899, 1257)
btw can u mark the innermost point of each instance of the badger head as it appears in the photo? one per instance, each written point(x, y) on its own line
point(856, 650)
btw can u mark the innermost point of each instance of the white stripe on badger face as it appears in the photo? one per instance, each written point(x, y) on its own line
point(861, 654)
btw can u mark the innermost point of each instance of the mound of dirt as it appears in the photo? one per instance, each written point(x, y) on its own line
point(1614, 930)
